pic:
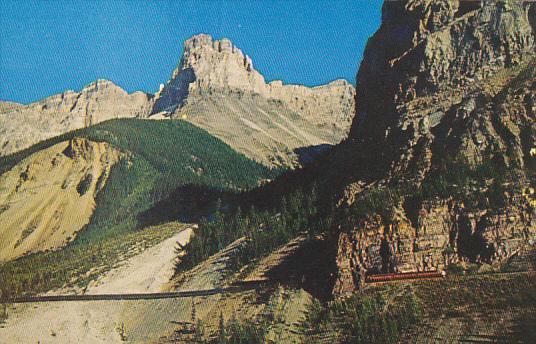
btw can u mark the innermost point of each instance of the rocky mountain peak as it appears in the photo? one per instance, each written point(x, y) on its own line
point(24, 125)
point(100, 85)
point(209, 66)
point(216, 87)
point(206, 42)
point(229, 66)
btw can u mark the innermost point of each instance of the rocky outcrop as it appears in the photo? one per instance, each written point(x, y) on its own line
point(444, 232)
point(49, 196)
point(375, 247)
point(9, 106)
point(216, 87)
point(24, 125)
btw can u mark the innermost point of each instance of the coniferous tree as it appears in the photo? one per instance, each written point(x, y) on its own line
point(193, 314)
point(221, 330)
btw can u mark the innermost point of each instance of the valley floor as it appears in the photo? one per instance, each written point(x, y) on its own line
point(483, 308)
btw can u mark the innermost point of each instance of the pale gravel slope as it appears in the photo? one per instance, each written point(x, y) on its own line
point(144, 273)
point(49, 196)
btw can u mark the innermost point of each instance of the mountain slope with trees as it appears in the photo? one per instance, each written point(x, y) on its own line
point(157, 158)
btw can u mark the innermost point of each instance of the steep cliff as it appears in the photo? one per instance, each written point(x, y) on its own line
point(444, 232)
point(432, 60)
point(445, 121)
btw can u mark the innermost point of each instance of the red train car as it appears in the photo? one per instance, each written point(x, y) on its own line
point(404, 276)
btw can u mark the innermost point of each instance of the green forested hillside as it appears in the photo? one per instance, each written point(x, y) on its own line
point(158, 158)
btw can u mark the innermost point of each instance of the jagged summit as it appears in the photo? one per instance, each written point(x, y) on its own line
point(99, 87)
point(209, 65)
point(100, 84)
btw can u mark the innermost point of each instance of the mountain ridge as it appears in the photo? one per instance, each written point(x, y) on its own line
point(318, 115)
point(216, 87)
point(24, 125)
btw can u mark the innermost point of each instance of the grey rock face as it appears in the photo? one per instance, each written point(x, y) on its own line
point(434, 57)
point(24, 125)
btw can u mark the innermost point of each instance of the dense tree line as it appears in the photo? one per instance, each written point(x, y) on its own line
point(264, 229)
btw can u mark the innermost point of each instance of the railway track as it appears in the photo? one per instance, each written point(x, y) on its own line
point(234, 288)
point(244, 286)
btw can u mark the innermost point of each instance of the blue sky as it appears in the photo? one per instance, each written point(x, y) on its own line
point(47, 47)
